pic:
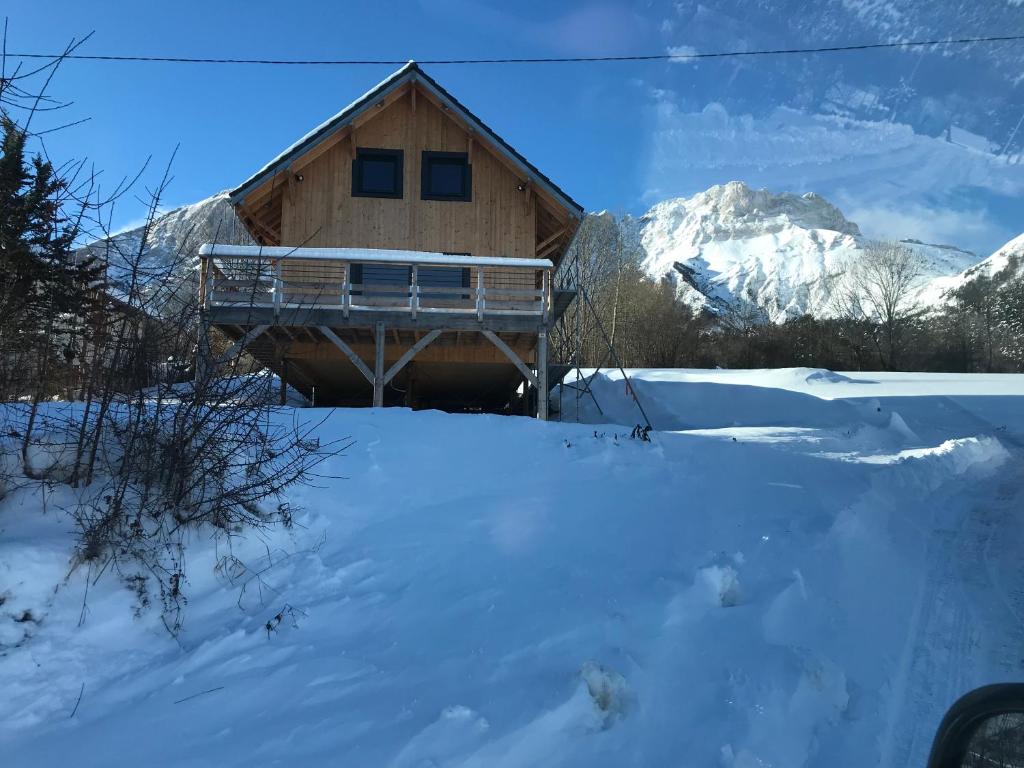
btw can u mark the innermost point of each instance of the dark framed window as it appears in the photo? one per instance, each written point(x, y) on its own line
point(446, 176)
point(445, 277)
point(377, 173)
point(386, 278)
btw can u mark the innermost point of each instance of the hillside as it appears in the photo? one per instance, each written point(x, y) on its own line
point(807, 572)
point(172, 243)
point(1007, 263)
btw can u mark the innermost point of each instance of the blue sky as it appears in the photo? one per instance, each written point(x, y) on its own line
point(615, 136)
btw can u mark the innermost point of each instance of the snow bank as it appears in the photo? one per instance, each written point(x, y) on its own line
point(807, 571)
point(927, 406)
point(256, 388)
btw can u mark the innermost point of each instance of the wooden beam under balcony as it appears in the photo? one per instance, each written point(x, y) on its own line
point(248, 316)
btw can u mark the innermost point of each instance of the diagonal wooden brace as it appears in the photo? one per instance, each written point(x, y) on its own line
point(347, 351)
point(511, 355)
point(411, 353)
point(239, 345)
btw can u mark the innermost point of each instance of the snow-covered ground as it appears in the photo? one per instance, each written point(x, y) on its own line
point(801, 568)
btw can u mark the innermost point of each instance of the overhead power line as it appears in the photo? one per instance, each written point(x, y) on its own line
point(539, 60)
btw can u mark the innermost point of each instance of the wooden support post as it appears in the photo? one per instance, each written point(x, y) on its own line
point(542, 375)
point(378, 366)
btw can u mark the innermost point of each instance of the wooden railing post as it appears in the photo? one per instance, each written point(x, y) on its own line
point(480, 305)
point(278, 287)
point(545, 294)
point(346, 291)
point(204, 269)
point(414, 292)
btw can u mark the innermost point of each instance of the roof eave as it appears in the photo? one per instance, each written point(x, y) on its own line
point(324, 131)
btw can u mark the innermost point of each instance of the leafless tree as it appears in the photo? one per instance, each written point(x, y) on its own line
point(879, 287)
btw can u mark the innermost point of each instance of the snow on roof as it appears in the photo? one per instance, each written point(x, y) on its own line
point(363, 255)
point(408, 72)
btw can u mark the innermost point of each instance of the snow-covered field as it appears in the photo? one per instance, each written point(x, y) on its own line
point(801, 568)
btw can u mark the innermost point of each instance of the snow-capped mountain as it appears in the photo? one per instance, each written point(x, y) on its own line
point(172, 243)
point(781, 251)
point(1007, 263)
point(178, 230)
point(177, 234)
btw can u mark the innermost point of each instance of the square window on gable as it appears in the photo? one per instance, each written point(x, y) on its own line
point(446, 176)
point(377, 173)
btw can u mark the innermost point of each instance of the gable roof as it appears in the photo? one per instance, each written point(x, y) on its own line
point(410, 72)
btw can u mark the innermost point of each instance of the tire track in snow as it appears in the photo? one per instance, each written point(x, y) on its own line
point(964, 614)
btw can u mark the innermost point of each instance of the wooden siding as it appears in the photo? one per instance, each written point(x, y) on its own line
point(321, 211)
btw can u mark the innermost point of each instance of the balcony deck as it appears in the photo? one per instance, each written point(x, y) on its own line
point(272, 298)
point(250, 285)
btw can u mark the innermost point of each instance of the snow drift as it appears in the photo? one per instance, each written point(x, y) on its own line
point(808, 571)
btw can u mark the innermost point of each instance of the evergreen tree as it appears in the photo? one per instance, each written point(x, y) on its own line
point(46, 288)
point(1010, 311)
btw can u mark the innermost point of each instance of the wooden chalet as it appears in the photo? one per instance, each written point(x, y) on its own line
point(406, 255)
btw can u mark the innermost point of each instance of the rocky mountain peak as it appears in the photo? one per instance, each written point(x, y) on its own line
point(734, 210)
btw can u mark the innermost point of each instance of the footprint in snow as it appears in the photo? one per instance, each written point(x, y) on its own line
point(612, 696)
point(455, 734)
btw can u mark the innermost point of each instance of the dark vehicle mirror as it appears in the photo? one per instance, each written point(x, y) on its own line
point(984, 729)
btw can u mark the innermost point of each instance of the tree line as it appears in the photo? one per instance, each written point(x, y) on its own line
point(873, 321)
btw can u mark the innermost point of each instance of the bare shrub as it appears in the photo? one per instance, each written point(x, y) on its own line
point(156, 452)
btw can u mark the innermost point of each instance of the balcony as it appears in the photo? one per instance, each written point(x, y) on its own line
point(359, 287)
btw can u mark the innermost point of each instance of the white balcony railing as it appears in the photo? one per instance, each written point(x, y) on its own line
point(357, 280)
